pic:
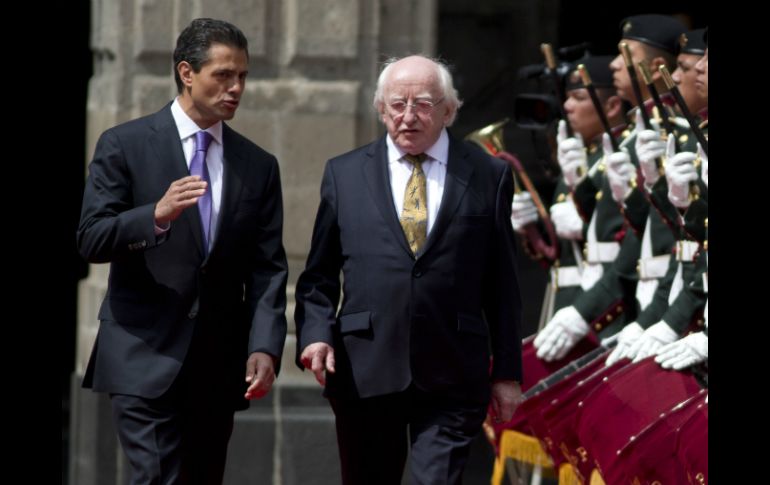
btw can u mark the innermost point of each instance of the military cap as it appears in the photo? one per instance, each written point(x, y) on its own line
point(661, 31)
point(692, 42)
point(598, 68)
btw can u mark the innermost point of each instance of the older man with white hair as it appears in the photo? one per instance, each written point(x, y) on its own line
point(418, 222)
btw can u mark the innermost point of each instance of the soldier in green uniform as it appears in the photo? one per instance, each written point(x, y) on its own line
point(664, 323)
point(565, 273)
point(609, 300)
point(681, 174)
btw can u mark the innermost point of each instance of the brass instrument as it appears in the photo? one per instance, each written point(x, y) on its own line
point(490, 138)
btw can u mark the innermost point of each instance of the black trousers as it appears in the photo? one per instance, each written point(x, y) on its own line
point(180, 437)
point(376, 434)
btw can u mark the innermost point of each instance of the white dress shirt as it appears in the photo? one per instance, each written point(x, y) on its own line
point(187, 130)
point(434, 167)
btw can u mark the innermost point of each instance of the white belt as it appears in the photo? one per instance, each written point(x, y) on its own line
point(565, 276)
point(602, 252)
point(676, 285)
point(645, 290)
point(654, 267)
point(592, 272)
point(686, 250)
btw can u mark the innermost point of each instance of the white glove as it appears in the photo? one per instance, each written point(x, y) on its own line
point(649, 146)
point(626, 338)
point(566, 220)
point(523, 210)
point(620, 170)
point(704, 165)
point(691, 350)
point(680, 171)
point(572, 156)
point(651, 340)
point(564, 330)
point(681, 122)
point(706, 315)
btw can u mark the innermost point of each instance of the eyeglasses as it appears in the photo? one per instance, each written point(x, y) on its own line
point(421, 106)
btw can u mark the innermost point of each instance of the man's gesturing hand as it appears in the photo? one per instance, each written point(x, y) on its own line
point(180, 195)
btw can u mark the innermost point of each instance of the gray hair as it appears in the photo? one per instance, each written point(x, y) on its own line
point(451, 97)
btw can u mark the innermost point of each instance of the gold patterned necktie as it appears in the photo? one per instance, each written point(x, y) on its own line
point(414, 216)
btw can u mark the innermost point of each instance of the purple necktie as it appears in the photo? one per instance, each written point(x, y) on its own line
point(198, 167)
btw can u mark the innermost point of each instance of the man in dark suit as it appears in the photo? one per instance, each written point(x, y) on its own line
point(198, 271)
point(419, 224)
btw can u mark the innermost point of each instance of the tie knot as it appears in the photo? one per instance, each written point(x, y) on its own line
point(416, 160)
point(202, 140)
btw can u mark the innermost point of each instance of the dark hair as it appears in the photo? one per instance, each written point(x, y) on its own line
point(194, 42)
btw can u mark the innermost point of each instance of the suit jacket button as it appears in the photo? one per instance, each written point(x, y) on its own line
point(192, 315)
point(417, 272)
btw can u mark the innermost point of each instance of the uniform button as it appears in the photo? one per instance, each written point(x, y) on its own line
point(417, 272)
point(192, 315)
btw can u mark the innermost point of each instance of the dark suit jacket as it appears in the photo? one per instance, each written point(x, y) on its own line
point(429, 319)
point(161, 287)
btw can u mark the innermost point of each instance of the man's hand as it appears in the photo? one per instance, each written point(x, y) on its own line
point(566, 220)
point(680, 171)
point(260, 374)
point(571, 153)
point(690, 350)
point(318, 357)
point(523, 210)
point(506, 397)
point(626, 339)
point(558, 337)
point(649, 147)
point(180, 195)
point(651, 341)
point(620, 170)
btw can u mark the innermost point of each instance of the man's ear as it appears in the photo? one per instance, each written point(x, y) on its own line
point(655, 64)
point(613, 107)
point(185, 71)
point(449, 111)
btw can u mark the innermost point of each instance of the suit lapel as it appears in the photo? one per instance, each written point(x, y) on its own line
point(378, 180)
point(235, 171)
point(165, 141)
point(458, 173)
